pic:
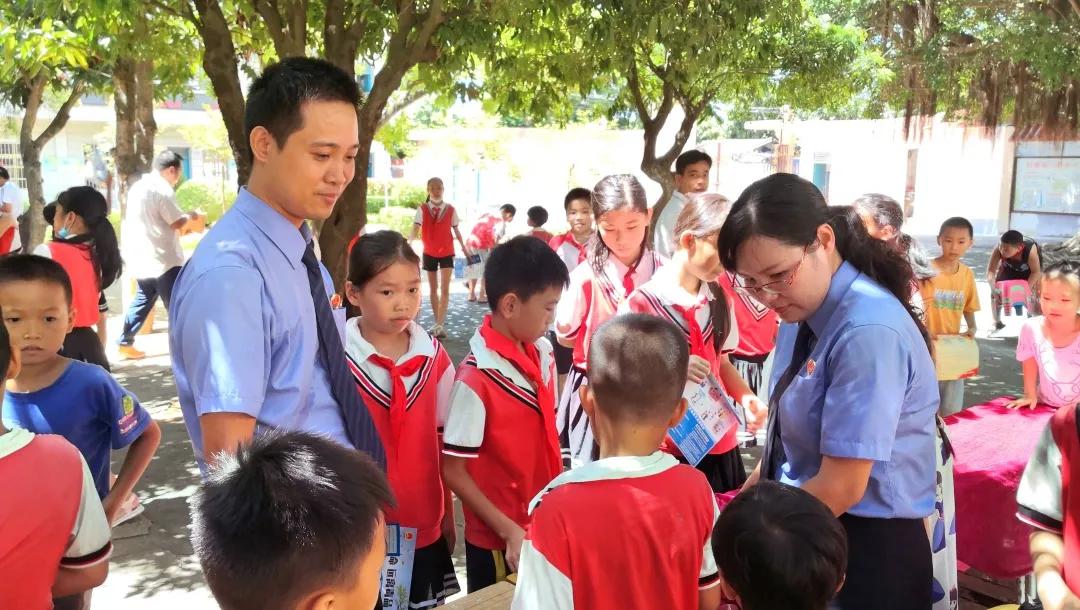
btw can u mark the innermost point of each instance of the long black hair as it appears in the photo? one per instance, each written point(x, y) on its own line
point(615, 192)
point(790, 209)
point(702, 218)
point(90, 205)
point(887, 212)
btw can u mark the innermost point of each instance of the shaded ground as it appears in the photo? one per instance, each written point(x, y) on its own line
point(153, 558)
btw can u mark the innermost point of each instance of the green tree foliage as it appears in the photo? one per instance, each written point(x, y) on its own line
point(654, 55)
point(988, 62)
point(52, 50)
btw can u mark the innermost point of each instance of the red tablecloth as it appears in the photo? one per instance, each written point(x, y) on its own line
point(993, 445)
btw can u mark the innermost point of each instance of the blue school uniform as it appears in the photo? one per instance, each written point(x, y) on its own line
point(86, 406)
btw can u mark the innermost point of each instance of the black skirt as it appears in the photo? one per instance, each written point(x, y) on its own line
point(725, 471)
point(889, 565)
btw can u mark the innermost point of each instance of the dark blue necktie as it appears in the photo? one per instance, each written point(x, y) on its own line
point(358, 423)
point(772, 456)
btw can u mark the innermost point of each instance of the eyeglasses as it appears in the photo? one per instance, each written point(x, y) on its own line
point(773, 288)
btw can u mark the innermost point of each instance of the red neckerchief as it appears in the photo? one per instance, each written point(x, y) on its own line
point(697, 339)
point(398, 373)
point(569, 239)
point(528, 363)
point(628, 279)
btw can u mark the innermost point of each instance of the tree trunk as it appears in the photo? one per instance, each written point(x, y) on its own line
point(124, 94)
point(219, 62)
point(30, 150)
point(145, 125)
point(350, 214)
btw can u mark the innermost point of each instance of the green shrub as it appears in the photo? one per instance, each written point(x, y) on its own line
point(401, 194)
point(396, 218)
point(196, 195)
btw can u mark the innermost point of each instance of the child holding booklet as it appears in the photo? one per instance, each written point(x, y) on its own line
point(686, 292)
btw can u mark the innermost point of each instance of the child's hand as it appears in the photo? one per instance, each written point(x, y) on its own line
point(513, 547)
point(970, 334)
point(698, 369)
point(1054, 594)
point(757, 412)
point(1027, 401)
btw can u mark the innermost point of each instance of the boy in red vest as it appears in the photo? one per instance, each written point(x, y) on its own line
point(49, 499)
point(500, 446)
point(631, 530)
point(437, 224)
point(1049, 500)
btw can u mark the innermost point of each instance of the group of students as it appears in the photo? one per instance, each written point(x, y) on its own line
point(553, 432)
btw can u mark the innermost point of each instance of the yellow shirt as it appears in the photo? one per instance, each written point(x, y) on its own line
point(947, 297)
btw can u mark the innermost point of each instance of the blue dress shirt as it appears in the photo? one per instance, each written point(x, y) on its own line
point(869, 391)
point(242, 328)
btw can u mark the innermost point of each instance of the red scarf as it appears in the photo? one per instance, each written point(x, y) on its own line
point(398, 373)
point(697, 339)
point(527, 362)
point(580, 247)
point(628, 279)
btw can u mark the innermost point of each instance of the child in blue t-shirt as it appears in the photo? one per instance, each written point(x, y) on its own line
point(56, 395)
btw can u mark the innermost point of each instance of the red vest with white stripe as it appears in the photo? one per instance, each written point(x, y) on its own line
point(513, 464)
point(417, 480)
point(435, 232)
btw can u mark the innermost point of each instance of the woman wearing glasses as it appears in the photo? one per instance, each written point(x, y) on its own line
point(854, 392)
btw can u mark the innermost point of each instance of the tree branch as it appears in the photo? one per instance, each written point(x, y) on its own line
point(62, 114)
point(34, 94)
point(1075, 7)
point(184, 13)
point(268, 10)
point(410, 98)
point(637, 96)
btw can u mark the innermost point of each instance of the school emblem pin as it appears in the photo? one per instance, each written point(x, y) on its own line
point(811, 366)
point(129, 405)
point(335, 301)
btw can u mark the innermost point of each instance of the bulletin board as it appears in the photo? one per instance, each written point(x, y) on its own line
point(1047, 184)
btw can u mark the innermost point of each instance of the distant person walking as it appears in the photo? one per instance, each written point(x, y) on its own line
point(11, 204)
point(150, 242)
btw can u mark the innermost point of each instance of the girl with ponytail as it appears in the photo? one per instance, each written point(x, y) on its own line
point(617, 260)
point(686, 292)
point(85, 245)
point(854, 397)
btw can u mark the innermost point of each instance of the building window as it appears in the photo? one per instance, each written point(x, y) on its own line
point(11, 159)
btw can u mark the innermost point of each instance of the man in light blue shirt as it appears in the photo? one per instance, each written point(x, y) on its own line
point(252, 326)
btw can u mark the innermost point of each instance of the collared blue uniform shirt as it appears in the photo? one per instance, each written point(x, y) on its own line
point(243, 333)
point(869, 391)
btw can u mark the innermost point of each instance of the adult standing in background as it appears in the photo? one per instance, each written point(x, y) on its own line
point(255, 329)
point(691, 176)
point(11, 203)
point(150, 243)
point(854, 390)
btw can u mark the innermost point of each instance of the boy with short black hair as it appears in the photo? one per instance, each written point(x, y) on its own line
point(292, 521)
point(570, 247)
point(779, 547)
point(949, 295)
point(538, 216)
point(592, 541)
point(49, 498)
point(1015, 258)
point(57, 395)
point(500, 445)
point(691, 176)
